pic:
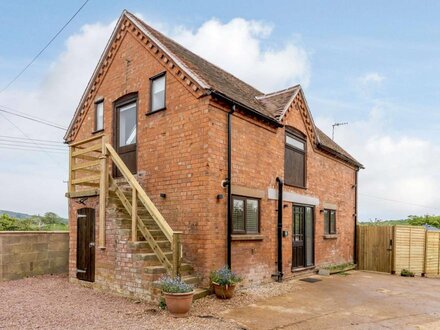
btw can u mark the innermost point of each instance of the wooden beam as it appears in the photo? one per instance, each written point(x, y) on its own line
point(84, 193)
point(87, 157)
point(94, 148)
point(103, 191)
point(177, 253)
point(133, 215)
point(86, 179)
point(79, 166)
point(70, 186)
point(96, 137)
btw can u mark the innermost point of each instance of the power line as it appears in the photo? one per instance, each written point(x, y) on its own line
point(32, 149)
point(36, 119)
point(25, 135)
point(38, 140)
point(43, 49)
point(45, 147)
point(400, 202)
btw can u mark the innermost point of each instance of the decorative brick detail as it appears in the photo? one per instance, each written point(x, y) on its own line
point(182, 153)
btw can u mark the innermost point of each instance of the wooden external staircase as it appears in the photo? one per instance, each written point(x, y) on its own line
point(151, 239)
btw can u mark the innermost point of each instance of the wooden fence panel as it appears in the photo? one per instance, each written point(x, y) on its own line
point(409, 249)
point(432, 256)
point(375, 248)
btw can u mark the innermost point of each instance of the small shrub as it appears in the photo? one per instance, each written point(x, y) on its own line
point(174, 285)
point(224, 276)
point(162, 304)
point(406, 273)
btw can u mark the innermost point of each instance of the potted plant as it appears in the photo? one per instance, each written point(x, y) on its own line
point(406, 273)
point(224, 282)
point(178, 295)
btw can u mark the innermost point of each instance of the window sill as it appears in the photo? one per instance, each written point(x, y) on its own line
point(247, 237)
point(98, 131)
point(331, 236)
point(295, 186)
point(155, 111)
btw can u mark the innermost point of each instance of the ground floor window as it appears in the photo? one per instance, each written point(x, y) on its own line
point(245, 215)
point(329, 222)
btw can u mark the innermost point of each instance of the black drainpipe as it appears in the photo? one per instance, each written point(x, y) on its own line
point(355, 258)
point(229, 183)
point(279, 274)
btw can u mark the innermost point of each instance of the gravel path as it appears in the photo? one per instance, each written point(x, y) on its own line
point(51, 302)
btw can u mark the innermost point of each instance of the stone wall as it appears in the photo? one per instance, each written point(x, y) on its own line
point(24, 254)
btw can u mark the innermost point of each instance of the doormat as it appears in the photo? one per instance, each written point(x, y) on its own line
point(310, 280)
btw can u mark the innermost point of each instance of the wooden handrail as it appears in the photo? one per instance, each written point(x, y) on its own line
point(155, 214)
point(98, 166)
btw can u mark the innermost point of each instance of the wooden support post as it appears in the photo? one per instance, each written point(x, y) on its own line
point(177, 253)
point(70, 186)
point(103, 189)
point(133, 215)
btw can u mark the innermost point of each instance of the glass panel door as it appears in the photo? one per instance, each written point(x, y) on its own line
point(309, 241)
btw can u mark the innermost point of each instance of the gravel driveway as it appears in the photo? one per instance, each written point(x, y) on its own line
point(51, 302)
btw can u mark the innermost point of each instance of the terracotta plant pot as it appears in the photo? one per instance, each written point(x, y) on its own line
point(179, 304)
point(224, 291)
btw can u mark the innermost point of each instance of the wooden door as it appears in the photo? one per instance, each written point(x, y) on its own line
point(85, 253)
point(125, 133)
point(375, 248)
point(298, 254)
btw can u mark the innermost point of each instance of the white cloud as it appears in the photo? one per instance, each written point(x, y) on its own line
point(372, 78)
point(399, 168)
point(237, 47)
point(33, 181)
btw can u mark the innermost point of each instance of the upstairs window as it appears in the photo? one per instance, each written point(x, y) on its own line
point(158, 93)
point(245, 215)
point(99, 116)
point(295, 160)
point(329, 222)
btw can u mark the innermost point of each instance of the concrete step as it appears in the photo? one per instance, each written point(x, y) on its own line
point(142, 245)
point(185, 269)
point(200, 293)
point(190, 279)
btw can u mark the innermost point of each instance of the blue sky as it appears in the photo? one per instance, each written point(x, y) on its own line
point(374, 65)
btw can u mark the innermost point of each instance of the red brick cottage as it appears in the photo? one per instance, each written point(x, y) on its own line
point(178, 166)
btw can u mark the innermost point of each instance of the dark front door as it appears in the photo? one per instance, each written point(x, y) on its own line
point(85, 253)
point(126, 132)
point(302, 237)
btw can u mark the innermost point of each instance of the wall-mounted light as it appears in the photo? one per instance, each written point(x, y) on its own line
point(321, 210)
point(163, 195)
point(220, 196)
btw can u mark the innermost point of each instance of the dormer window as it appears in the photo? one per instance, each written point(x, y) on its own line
point(158, 92)
point(295, 159)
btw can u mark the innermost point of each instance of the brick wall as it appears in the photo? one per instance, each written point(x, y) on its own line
point(182, 152)
point(24, 254)
point(257, 160)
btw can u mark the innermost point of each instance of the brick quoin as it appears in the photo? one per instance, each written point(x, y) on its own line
point(182, 152)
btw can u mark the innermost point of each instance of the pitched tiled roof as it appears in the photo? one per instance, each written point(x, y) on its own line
point(213, 79)
point(277, 102)
point(332, 147)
